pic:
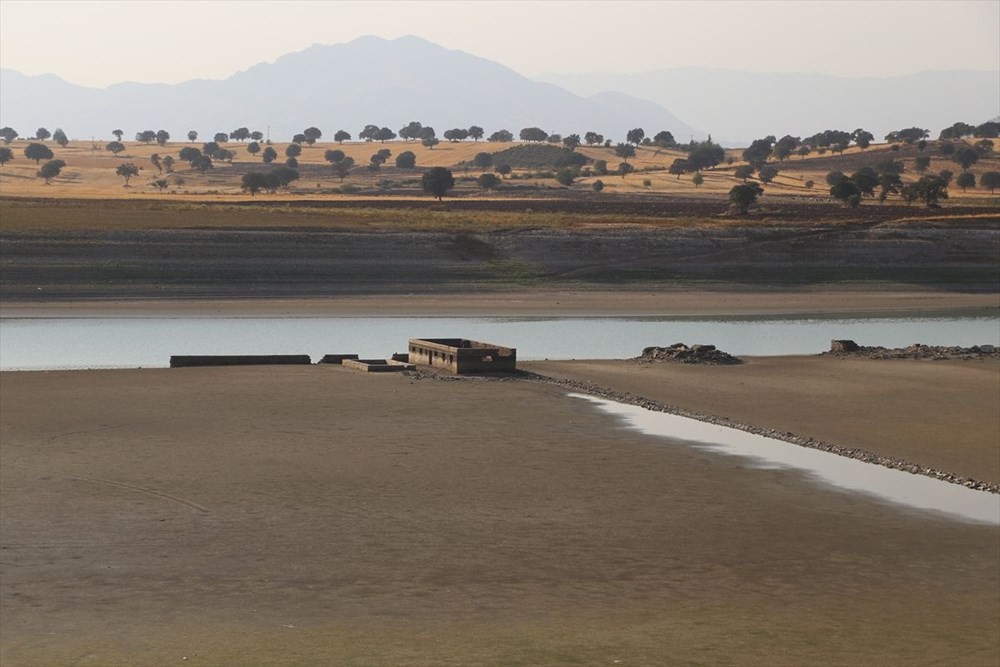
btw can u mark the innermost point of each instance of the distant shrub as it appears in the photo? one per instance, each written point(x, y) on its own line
point(598, 185)
point(539, 156)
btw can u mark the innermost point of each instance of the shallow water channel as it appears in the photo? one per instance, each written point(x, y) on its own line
point(37, 343)
point(896, 486)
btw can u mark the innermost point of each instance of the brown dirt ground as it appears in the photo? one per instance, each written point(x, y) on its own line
point(312, 515)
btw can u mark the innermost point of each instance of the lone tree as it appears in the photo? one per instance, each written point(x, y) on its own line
point(504, 170)
point(572, 141)
point(37, 152)
point(6, 155)
point(253, 148)
point(635, 136)
point(533, 134)
point(930, 189)
point(312, 134)
point(269, 155)
point(624, 168)
point(333, 156)
point(437, 181)
point(743, 196)
point(475, 132)
point(991, 180)
point(697, 179)
point(340, 136)
point(743, 172)
point(502, 136)
point(406, 160)
point(767, 173)
point(965, 157)
point(483, 160)
point(161, 184)
point(127, 171)
point(60, 137)
point(192, 136)
point(598, 185)
point(50, 170)
point(221, 137)
point(625, 151)
point(342, 168)
point(253, 182)
point(565, 177)
point(189, 154)
point(42, 134)
point(488, 181)
point(240, 134)
point(593, 138)
point(203, 163)
point(115, 147)
point(430, 142)
point(863, 138)
point(662, 139)
point(966, 180)
point(162, 137)
point(118, 134)
point(156, 162)
point(293, 150)
point(168, 163)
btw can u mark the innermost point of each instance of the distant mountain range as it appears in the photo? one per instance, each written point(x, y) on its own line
point(392, 82)
point(746, 105)
point(342, 86)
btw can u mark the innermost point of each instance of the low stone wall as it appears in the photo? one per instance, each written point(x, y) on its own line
point(181, 361)
point(336, 358)
point(377, 365)
point(848, 348)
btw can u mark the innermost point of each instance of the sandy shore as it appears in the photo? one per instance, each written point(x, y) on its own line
point(535, 303)
point(290, 515)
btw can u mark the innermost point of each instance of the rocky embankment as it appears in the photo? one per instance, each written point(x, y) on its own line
point(848, 348)
point(655, 406)
point(679, 353)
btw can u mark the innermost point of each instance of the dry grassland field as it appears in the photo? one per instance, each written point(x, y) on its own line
point(312, 515)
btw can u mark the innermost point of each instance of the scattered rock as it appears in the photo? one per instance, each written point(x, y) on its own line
point(681, 353)
point(848, 348)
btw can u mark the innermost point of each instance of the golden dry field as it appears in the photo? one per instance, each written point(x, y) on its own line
point(90, 172)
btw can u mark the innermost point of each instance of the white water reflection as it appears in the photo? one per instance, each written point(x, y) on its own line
point(895, 486)
point(49, 343)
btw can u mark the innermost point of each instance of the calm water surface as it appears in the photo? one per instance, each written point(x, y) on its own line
point(896, 486)
point(52, 343)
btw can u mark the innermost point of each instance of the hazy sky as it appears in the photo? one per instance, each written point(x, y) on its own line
point(99, 43)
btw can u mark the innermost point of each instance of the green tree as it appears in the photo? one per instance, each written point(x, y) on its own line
point(625, 151)
point(429, 142)
point(572, 141)
point(115, 147)
point(624, 168)
point(209, 148)
point(965, 157)
point(784, 147)
point(50, 170)
point(161, 184)
point(564, 177)
point(42, 134)
point(456, 134)
point(192, 136)
point(60, 137)
point(743, 172)
point(888, 184)
point(411, 130)
point(907, 136)
point(863, 138)
point(221, 137)
point(931, 189)
point(269, 155)
point(834, 177)
point(759, 150)
point(127, 171)
point(488, 182)
point(635, 136)
point(203, 163)
point(299, 138)
point(664, 139)
point(333, 156)
point(6, 155)
point(946, 148)
point(593, 138)
point(168, 163)
point(118, 134)
point(991, 180)
point(681, 166)
point(257, 135)
point(767, 173)
point(504, 170)
point(475, 132)
point(406, 160)
point(437, 181)
point(385, 134)
point(984, 147)
point(533, 134)
point(704, 155)
point(945, 176)
point(957, 131)
point(292, 163)
point(966, 180)
point(189, 154)
point(240, 134)
point(37, 152)
point(502, 136)
point(224, 155)
point(154, 159)
point(342, 168)
point(145, 136)
point(253, 182)
point(253, 148)
point(745, 195)
point(846, 191)
point(162, 137)
point(921, 163)
point(697, 179)
point(312, 135)
point(866, 179)
point(483, 160)
point(293, 150)
point(988, 130)
point(598, 185)
point(340, 136)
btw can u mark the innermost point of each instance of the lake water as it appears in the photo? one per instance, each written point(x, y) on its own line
point(896, 486)
point(54, 343)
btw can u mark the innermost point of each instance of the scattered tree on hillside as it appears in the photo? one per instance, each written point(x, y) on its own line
point(50, 170)
point(192, 136)
point(430, 142)
point(145, 136)
point(957, 131)
point(292, 163)
point(42, 134)
point(8, 134)
point(863, 138)
point(991, 180)
point(743, 172)
point(803, 151)
point(680, 166)
point(625, 151)
point(664, 139)
point(921, 145)
point(572, 141)
point(554, 139)
point(202, 163)
point(891, 166)
point(162, 137)
point(6, 155)
point(704, 154)
point(697, 179)
point(221, 137)
point(256, 135)
point(593, 138)
point(784, 147)
point(600, 167)
point(834, 177)
point(406, 160)
point(209, 148)
point(984, 147)
point(564, 177)
point(888, 184)
point(966, 180)
point(379, 158)
point(475, 132)
point(411, 130)
point(437, 181)
point(827, 138)
point(946, 176)
point(293, 150)
point(168, 163)
point(598, 185)
point(456, 134)
point(946, 148)
point(240, 134)
point(965, 157)
point(333, 156)
point(154, 159)
point(60, 137)
point(767, 173)
point(488, 181)
point(161, 184)
point(483, 160)
point(533, 134)
point(866, 179)
point(312, 135)
point(624, 168)
point(635, 135)
point(342, 168)
point(299, 138)
point(759, 150)
point(921, 163)
point(340, 136)
point(743, 196)
point(502, 136)
point(385, 134)
point(253, 148)
point(115, 147)
point(846, 191)
point(907, 136)
point(118, 134)
point(37, 152)
point(189, 154)
point(930, 189)
point(504, 170)
point(988, 130)
point(224, 155)
point(253, 182)
point(127, 171)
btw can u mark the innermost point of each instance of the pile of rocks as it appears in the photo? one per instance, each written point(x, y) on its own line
point(848, 348)
point(682, 354)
